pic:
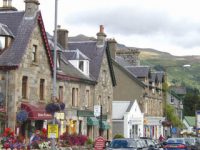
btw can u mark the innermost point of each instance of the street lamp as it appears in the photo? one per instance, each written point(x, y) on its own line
point(54, 67)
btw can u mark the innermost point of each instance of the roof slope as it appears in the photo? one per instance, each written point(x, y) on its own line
point(190, 120)
point(139, 71)
point(95, 55)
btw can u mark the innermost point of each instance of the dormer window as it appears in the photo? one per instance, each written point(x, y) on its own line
point(2, 42)
point(6, 36)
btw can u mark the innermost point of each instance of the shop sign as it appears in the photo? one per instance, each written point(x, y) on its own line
point(99, 143)
point(97, 110)
point(59, 115)
point(52, 131)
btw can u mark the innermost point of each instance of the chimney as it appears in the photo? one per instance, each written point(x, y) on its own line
point(62, 37)
point(112, 46)
point(101, 36)
point(9, 3)
point(7, 6)
point(4, 3)
point(31, 7)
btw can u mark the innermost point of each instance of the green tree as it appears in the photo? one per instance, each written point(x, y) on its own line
point(174, 119)
point(191, 102)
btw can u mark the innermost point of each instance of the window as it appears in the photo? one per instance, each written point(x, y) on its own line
point(99, 100)
point(104, 77)
point(58, 61)
point(75, 97)
point(61, 93)
point(42, 81)
point(34, 53)
point(2, 42)
point(80, 66)
point(24, 86)
point(108, 104)
point(172, 99)
point(87, 98)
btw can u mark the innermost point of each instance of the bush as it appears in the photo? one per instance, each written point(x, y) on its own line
point(89, 141)
point(117, 136)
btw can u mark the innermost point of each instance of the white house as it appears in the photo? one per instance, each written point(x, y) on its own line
point(127, 119)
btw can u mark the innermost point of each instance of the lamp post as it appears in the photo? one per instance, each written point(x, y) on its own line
point(54, 67)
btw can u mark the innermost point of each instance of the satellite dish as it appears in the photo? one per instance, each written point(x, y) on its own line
point(1, 97)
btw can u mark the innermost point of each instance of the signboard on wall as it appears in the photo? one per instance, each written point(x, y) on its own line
point(97, 110)
point(198, 119)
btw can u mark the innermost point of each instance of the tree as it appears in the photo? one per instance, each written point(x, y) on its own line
point(172, 117)
point(191, 102)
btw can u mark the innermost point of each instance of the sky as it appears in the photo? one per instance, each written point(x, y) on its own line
point(171, 26)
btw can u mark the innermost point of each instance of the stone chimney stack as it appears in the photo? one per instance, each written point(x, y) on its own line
point(62, 37)
point(31, 7)
point(7, 6)
point(101, 36)
point(112, 45)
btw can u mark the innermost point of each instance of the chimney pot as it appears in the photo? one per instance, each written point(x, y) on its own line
point(4, 3)
point(101, 29)
point(9, 3)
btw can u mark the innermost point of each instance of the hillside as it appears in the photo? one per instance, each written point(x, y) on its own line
point(177, 74)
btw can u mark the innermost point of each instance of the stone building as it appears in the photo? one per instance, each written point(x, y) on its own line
point(136, 82)
point(92, 59)
point(25, 67)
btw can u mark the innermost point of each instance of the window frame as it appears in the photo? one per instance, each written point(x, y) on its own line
point(24, 87)
point(42, 89)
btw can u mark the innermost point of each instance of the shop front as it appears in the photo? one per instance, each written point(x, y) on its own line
point(3, 119)
point(153, 127)
point(37, 118)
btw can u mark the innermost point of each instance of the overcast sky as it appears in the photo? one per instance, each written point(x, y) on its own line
point(166, 25)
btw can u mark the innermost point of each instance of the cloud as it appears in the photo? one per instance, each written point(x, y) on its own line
point(166, 25)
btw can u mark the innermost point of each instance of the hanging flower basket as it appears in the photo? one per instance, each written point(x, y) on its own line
point(54, 107)
point(22, 116)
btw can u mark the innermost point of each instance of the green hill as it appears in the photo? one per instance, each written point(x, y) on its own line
point(177, 74)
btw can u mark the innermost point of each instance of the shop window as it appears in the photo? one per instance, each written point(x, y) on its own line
point(80, 127)
point(42, 82)
point(72, 126)
point(24, 86)
point(61, 93)
point(34, 54)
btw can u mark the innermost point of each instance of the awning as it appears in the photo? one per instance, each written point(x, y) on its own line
point(92, 121)
point(36, 111)
point(105, 125)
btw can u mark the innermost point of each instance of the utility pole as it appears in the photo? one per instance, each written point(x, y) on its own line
point(54, 67)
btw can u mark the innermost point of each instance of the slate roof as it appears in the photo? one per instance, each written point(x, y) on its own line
point(139, 71)
point(190, 120)
point(180, 90)
point(122, 106)
point(126, 71)
point(160, 76)
point(67, 70)
point(95, 54)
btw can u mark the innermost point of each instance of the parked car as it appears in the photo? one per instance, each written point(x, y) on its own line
point(194, 143)
point(125, 144)
point(151, 145)
point(177, 144)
